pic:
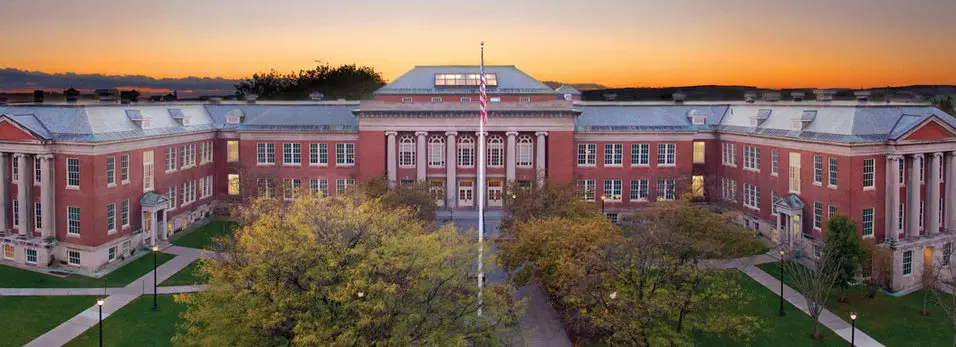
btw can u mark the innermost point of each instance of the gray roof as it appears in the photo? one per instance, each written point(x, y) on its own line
point(288, 117)
point(153, 199)
point(791, 201)
point(622, 118)
point(102, 123)
point(566, 89)
point(421, 80)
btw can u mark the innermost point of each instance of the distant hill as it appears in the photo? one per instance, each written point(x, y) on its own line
point(578, 86)
point(736, 93)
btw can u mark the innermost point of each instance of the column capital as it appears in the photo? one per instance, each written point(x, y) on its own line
point(451, 133)
point(478, 133)
point(917, 155)
point(952, 154)
point(937, 155)
point(391, 133)
point(421, 133)
point(894, 157)
point(515, 133)
point(19, 155)
point(541, 133)
point(48, 156)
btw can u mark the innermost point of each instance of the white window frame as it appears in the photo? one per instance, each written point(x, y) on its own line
point(111, 218)
point(666, 189)
point(73, 173)
point(587, 154)
point(907, 263)
point(37, 216)
point(641, 152)
point(818, 170)
point(265, 153)
point(70, 256)
point(291, 188)
point(111, 254)
point(752, 196)
point(869, 177)
point(525, 151)
point(466, 151)
point(436, 151)
point(291, 154)
point(613, 190)
point(614, 154)
point(124, 214)
point(833, 172)
point(751, 158)
point(30, 255)
point(729, 154)
point(110, 171)
point(38, 173)
point(319, 187)
point(406, 151)
point(172, 197)
point(345, 154)
point(171, 156)
point(343, 185)
point(73, 221)
point(639, 189)
point(16, 212)
point(699, 152)
point(15, 171)
point(148, 174)
point(774, 162)
point(794, 181)
point(817, 215)
point(867, 224)
point(587, 189)
point(124, 169)
point(319, 154)
point(496, 151)
point(666, 154)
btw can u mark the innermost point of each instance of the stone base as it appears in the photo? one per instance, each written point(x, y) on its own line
point(15, 249)
point(924, 250)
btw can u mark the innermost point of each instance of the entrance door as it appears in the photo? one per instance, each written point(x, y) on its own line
point(437, 188)
point(494, 193)
point(8, 252)
point(466, 193)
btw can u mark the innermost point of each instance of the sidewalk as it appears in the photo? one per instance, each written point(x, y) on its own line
point(75, 326)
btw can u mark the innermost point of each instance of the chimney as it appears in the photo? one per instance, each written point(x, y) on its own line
point(679, 98)
point(750, 97)
point(798, 96)
point(316, 96)
point(251, 98)
point(38, 96)
point(825, 95)
point(862, 96)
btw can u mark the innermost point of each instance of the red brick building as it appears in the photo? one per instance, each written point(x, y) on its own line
point(127, 175)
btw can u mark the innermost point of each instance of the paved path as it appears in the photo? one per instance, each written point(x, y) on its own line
point(72, 328)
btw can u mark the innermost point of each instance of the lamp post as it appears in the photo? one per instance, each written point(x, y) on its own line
point(781, 282)
point(852, 328)
point(155, 303)
point(100, 302)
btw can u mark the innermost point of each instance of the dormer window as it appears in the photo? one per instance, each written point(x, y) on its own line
point(180, 117)
point(406, 100)
point(524, 99)
point(696, 118)
point(458, 79)
point(805, 119)
point(235, 116)
point(762, 115)
point(138, 118)
point(144, 123)
point(436, 99)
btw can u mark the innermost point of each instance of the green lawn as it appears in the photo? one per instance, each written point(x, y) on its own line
point(893, 321)
point(28, 317)
point(204, 235)
point(186, 276)
point(136, 324)
point(11, 277)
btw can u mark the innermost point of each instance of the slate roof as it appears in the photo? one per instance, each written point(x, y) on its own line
point(624, 118)
point(153, 199)
point(791, 201)
point(306, 117)
point(566, 89)
point(103, 123)
point(421, 80)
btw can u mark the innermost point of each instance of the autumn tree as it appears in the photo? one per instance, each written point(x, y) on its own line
point(877, 267)
point(340, 271)
point(415, 196)
point(842, 238)
point(551, 200)
point(351, 82)
point(815, 281)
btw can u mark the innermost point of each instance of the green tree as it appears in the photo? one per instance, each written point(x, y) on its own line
point(415, 196)
point(344, 272)
point(843, 239)
point(551, 200)
point(945, 103)
point(350, 81)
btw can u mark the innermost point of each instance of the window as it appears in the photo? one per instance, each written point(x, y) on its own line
point(319, 187)
point(266, 187)
point(867, 222)
point(73, 220)
point(795, 172)
point(817, 169)
point(613, 154)
point(74, 257)
point(496, 151)
point(406, 151)
point(124, 213)
point(436, 151)
point(265, 153)
point(465, 100)
point(751, 158)
point(208, 191)
point(666, 154)
point(922, 169)
point(752, 196)
point(773, 202)
point(436, 99)
point(111, 255)
point(37, 173)
point(111, 218)
point(774, 162)
point(939, 215)
point(202, 187)
point(587, 188)
point(729, 189)
point(639, 190)
point(921, 213)
point(72, 172)
point(587, 154)
point(233, 184)
point(291, 154)
point(232, 151)
point(345, 154)
point(15, 167)
point(466, 151)
point(612, 190)
point(318, 154)
point(698, 152)
point(833, 172)
point(9, 252)
point(524, 99)
point(189, 156)
point(640, 154)
point(37, 216)
point(406, 100)
point(16, 213)
point(205, 153)
point(171, 197)
point(525, 151)
point(124, 168)
point(171, 159)
point(460, 79)
point(31, 256)
point(907, 262)
point(612, 217)
point(817, 215)
point(902, 216)
point(291, 188)
point(947, 253)
point(831, 211)
point(665, 189)
point(869, 175)
point(902, 170)
point(343, 185)
point(147, 171)
point(729, 154)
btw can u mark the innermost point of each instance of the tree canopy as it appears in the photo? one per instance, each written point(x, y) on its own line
point(842, 237)
point(945, 103)
point(344, 272)
point(350, 82)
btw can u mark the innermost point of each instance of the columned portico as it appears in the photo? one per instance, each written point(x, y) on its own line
point(932, 194)
point(4, 191)
point(451, 169)
point(47, 195)
point(24, 193)
point(893, 198)
point(789, 218)
point(154, 216)
point(390, 157)
point(420, 155)
point(913, 196)
point(511, 156)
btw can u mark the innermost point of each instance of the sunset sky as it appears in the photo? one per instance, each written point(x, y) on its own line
point(767, 43)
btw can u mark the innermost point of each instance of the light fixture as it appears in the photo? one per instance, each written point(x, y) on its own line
point(781, 252)
point(853, 315)
point(361, 294)
point(155, 248)
point(613, 295)
point(100, 302)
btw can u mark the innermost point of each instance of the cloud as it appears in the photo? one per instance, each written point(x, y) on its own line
point(16, 79)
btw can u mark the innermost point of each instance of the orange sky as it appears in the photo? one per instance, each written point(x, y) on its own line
point(808, 43)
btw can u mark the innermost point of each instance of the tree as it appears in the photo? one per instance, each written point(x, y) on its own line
point(943, 271)
point(344, 272)
point(945, 103)
point(551, 200)
point(351, 82)
point(842, 238)
point(877, 267)
point(415, 196)
point(815, 281)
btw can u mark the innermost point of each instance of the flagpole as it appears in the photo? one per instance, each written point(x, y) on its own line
point(481, 178)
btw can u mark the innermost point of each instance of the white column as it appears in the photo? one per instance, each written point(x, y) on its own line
point(4, 191)
point(421, 160)
point(511, 156)
point(932, 193)
point(539, 159)
point(913, 197)
point(391, 159)
point(47, 198)
point(893, 198)
point(24, 193)
point(949, 215)
point(451, 167)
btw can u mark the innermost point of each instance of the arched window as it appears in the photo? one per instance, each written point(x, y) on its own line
point(406, 151)
point(436, 151)
point(496, 151)
point(466, 151)
point(525, 151)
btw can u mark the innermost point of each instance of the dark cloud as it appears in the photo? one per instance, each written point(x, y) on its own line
point(16, 79)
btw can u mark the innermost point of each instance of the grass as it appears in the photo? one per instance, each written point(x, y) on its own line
point(893, 321)
point(136, 324)
point(204, 236)
point(28, 317)
point(185, 277)
point(11, 277)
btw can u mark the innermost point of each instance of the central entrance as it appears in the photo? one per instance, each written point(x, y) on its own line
point(494, 193)
point(466, 193)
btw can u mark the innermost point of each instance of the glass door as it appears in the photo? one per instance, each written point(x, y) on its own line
point(466, 192)
point(494, 193)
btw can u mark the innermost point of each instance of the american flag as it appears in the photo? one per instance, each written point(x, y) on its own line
point(482, 102)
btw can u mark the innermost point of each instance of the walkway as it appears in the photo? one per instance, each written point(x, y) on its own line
point(118, 297)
